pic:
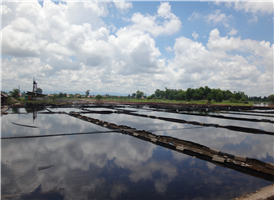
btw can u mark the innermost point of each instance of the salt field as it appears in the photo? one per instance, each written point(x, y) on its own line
point(107, 164)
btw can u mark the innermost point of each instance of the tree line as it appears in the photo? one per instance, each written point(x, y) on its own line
point(198, 94)
point(202, 93)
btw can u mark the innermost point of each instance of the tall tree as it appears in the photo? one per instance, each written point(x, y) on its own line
point(157, 93)
point(219, 96)
point(271, 98)
point(60, 95)
point(228, 94)
point(209, 97)
point(87, 93)
point(207, 91)
point(139, 94)
point(15, 93)
point(189, 93)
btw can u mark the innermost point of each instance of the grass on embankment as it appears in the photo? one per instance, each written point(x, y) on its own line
point(23, 102)
point(182, 102)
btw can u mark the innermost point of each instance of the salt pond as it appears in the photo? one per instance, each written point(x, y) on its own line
point(117, 166)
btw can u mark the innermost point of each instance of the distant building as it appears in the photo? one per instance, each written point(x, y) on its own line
point(34, 95)
point(4, 98)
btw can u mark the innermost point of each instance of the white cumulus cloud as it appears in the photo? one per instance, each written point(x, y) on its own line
point(149, 23)
point(255, 7)
point(195, 35)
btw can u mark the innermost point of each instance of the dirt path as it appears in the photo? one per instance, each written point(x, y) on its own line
point(4, 109)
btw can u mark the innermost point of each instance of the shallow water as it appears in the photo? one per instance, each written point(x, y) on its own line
point(238, 143)
point(118, 166)
point(263, 104)
point(210, 120)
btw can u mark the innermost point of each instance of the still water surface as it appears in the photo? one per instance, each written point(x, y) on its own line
point(117, 166)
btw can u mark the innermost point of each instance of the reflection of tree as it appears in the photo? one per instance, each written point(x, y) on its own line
point(15, 110)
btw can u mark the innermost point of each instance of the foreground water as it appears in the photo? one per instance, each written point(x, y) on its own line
point(117, 166)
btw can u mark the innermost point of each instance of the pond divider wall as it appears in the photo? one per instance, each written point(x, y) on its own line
point(226, 117)
point(177, 111)
point(254, 167)
point(234, 113)
point(230, 127)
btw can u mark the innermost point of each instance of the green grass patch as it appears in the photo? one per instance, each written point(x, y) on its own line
point(70, 100)
point(203, 102)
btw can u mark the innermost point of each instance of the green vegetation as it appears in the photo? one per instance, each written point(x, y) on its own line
point(98, 97)
point(203, 102)
point(15, 93)
point(199, 94)
point(87, 93)
point(139, 94)
point(271, 98)
point(202, 95)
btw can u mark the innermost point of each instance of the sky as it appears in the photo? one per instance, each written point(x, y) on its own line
point(119, 47)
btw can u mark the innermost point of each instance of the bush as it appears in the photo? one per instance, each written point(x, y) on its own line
point(243, 99)
point(219, 97)
point(98, 97)
point(232, 100)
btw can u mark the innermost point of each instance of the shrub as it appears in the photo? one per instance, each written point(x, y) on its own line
point(232, 100)
point(98, 97)
point(243, 99)
point(219, 97)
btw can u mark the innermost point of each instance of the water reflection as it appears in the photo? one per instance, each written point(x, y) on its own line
point(26, 110)
point(257, 125)
point(46, 123)
point(263, 104)
point(113, 165)
point(233, 142)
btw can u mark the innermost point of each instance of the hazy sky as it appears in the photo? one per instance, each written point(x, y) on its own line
point(122, 47)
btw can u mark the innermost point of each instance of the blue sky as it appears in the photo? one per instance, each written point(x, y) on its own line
point(122, 47)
